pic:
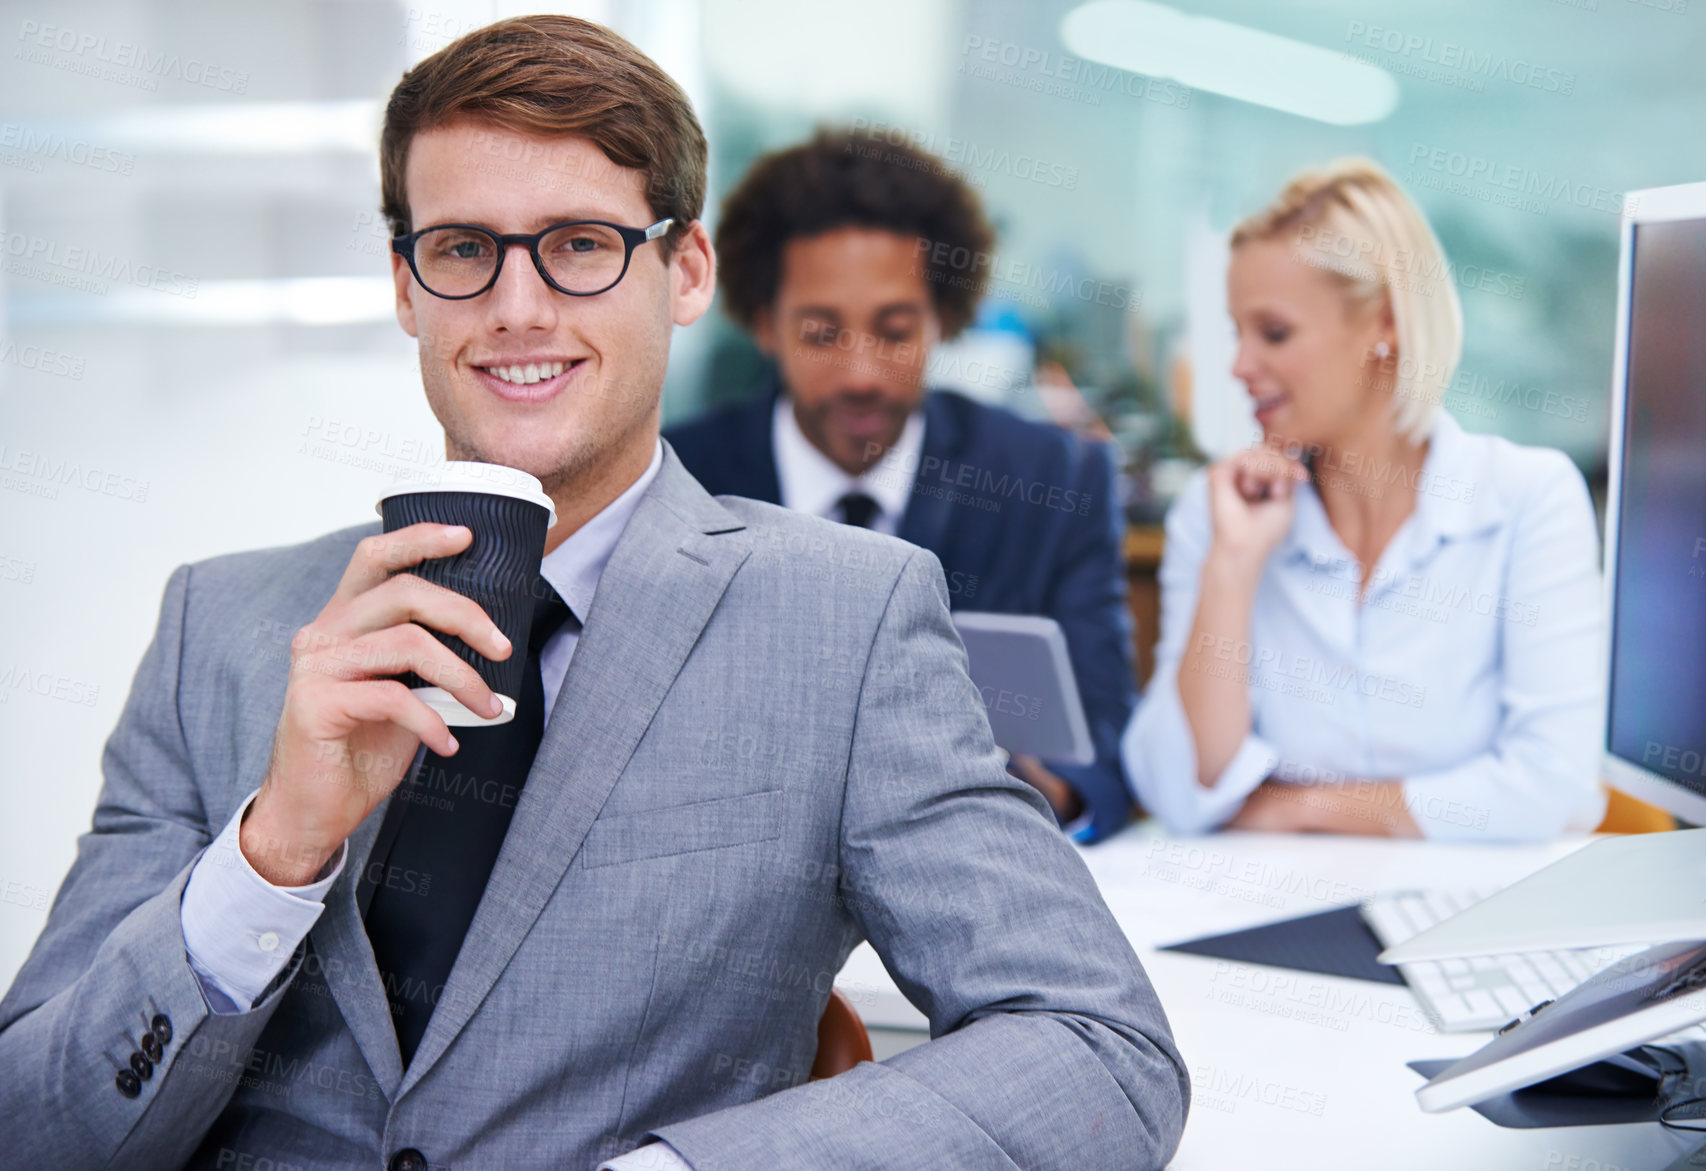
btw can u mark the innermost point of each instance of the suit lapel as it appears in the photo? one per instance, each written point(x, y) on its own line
point(925, 522)
point(752, 453)
point(665, 577)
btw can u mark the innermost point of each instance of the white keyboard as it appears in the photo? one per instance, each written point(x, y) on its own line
point(1481, 992)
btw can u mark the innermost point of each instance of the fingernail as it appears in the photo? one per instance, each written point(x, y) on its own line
point(496, 707)
point(453, 745)
point(502, 642)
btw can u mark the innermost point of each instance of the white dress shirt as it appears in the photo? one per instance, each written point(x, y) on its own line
point(240, 930)
point(811, 482)
point(1470, 672)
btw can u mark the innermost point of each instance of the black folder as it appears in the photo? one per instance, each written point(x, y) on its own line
point(1333, 943)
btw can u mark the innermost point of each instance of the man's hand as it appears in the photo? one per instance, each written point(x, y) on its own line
point(1068, 806)
point(347, 735)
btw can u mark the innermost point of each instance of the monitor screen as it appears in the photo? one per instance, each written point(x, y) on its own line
point(1657, 701)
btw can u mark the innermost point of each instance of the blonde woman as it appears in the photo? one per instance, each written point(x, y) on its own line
point(1372, 621)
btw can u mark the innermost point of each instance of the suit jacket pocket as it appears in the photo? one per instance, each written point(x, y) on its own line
point(683, 829)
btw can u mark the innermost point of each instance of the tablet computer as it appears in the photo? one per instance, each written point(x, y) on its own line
point(1650, 994)
point(1021, 668)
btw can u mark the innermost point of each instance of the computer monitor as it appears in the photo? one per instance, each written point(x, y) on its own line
point(1655, 727)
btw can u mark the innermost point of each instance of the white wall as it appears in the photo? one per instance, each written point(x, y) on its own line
point(219, 436)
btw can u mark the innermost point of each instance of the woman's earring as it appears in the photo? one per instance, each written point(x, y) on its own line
point(1382, 350)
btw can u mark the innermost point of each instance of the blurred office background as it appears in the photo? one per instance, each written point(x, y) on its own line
point(198, 354)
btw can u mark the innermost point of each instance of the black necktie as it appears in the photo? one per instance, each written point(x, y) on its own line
point(441, 835)
point(857, 509)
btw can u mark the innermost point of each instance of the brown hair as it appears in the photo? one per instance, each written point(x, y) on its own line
point(845, 178)
point(553, 75)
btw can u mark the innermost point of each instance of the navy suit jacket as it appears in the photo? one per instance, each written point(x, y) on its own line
point(1023, 518)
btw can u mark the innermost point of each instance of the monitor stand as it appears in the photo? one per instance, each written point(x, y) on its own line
point(1636, 1086)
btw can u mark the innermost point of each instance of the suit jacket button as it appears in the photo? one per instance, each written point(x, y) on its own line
point(128, 1083)
point(162, 1027)
point(150, 1045)
point(141, 1066)
point(408, 1159)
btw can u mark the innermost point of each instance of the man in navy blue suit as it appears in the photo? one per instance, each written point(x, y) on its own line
point(848, 258)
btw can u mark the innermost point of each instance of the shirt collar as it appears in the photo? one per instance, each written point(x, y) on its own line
point(811, 482)
point(1456, 496)
point(1454, 499)
point(574, 567)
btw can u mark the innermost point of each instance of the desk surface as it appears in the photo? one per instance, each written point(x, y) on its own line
point(1291, 1069)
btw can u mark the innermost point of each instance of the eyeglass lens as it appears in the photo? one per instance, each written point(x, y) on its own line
point(582, 258)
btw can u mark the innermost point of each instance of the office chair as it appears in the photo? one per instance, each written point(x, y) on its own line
point(842, 1041)
point(1627, 815)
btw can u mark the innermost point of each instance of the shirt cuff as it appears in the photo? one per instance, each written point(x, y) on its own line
point(239, 929)
point(658, 1156)
point(1253, 763)
point(1078, 829)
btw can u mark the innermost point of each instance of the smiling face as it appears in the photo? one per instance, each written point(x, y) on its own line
point(566, 388)
point(851, 327)
point(1305, 351)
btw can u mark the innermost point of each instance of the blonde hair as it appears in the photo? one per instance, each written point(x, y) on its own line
point(1352, 220)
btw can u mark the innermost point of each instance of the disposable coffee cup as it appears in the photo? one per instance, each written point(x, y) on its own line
point(508, 512)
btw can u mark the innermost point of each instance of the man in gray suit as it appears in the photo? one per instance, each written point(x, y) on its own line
point(759, 745)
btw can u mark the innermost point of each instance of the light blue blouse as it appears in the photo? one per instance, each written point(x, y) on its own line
point(1471, 671)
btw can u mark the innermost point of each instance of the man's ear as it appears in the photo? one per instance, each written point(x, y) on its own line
point(693, 275)
point(404, 280)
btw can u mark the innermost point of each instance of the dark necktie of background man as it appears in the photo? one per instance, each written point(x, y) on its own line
point(440, 837)
point(857, 509)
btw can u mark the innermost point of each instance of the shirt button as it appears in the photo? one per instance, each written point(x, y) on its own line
point(128, 1083)
point(162, 1027)
point(151, 1047)
point(268, 941)
point(408, 1159)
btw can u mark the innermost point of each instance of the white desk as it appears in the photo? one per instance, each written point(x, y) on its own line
point(1291, 1069)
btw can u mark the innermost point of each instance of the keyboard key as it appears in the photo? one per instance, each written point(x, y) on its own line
point(1519, 969)
point(1452, 1009)
point(1425, 977)
point(1439, 908)
point(1481, 1002)
point(1513, 1002)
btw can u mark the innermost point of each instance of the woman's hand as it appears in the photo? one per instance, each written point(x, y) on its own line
point(1252, 500)
point(1375, 808)
point(1251, 505)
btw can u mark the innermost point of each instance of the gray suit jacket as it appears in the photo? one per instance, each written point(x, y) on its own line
point(766, 749)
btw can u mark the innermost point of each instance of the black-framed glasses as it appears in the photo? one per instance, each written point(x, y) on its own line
point(577, 257)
